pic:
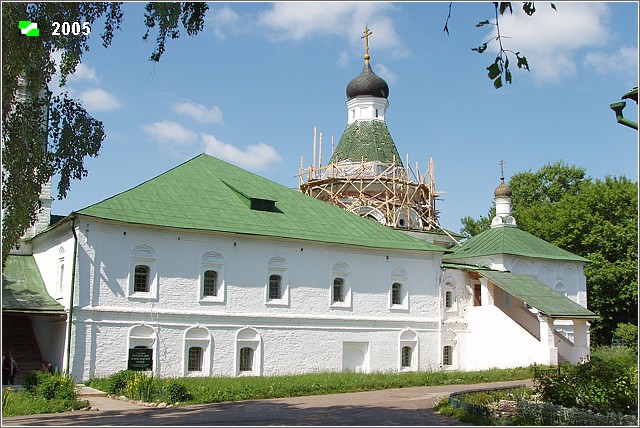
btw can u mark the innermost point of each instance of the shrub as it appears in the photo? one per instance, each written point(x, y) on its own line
point(607, 383)
point(61, 387)
point(629, 335)
point(117, 382)
point(176, 391)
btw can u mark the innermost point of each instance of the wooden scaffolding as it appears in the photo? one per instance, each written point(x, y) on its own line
point(392, 194)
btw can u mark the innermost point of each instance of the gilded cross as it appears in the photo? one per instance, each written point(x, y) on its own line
point(501, 169)
point(367, 33)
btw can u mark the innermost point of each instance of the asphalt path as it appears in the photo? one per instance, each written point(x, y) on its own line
point(403, 407)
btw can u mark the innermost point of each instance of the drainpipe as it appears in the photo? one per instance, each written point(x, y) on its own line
point(617, 108)
point(73, 283)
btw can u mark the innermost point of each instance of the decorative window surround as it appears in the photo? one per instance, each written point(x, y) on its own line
point(277, 267)
point(398, 290)
point(340, 275)
point(212, 261)
point(143, 255)
point(197, 337)
point(248, 358)
point(408, 351)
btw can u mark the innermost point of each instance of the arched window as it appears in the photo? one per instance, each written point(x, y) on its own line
point(195, 359)
point(277, 286)
point(340, 290)
point(141, 279)
point(447, 355)
point(197, 351)
point(448, 299)
point(275, 282)
point(246, 359)
point(406, 356)
point(408, 346)
point(210, 286)
point(396, 293)
point(212, 283)
point(248, 352)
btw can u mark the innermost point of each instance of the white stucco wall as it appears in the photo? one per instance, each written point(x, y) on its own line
point(303, 332)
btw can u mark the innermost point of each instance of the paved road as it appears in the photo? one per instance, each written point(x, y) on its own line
point(404, 406)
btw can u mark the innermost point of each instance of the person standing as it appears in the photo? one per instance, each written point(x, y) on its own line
point(9, 369)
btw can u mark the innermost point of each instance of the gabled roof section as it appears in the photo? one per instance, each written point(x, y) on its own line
point(539, 295)
point(206, 193)
point(367, 140)
point(23, 289)
point(511, 241)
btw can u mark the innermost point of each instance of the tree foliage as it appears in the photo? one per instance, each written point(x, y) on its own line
point(596, 219)
point(499, 71)
point(45, 134)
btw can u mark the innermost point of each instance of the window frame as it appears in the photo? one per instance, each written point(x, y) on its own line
point(212, 261)
point(245, 363)
point(143, 255)
point(277, 266)
point(447, 356)
point(398, 276)
point(197, 336)
point(337, 290)
point(248, 337)
point(341, 271)
point(191, 357)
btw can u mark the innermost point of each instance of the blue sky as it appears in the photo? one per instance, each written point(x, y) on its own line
point(253, 85)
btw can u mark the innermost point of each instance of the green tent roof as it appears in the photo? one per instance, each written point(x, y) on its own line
point(367, 140)
point(539, 295)
point(512, 241)
point(206, 193)
point(23, 289)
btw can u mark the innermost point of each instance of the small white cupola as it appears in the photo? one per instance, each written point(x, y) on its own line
point(502, 199)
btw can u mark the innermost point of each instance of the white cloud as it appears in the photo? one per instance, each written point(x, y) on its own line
point(225, 20)
point(550, 39)
point(199, 112)
point(98, 100)
point(384, 72)
point(170, 132)
point(301, 20)
point(256, 156)
point(623, 62)
point(84, 72)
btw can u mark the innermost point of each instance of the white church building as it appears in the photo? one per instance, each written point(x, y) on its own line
point(210, 270)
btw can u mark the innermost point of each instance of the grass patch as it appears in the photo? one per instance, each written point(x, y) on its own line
point(20, 403)
point(217, 389)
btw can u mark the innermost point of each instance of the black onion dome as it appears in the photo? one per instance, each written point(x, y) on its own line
point(367, 83)
point(502, 191)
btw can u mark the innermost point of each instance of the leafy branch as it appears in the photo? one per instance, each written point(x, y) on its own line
point(499, 71)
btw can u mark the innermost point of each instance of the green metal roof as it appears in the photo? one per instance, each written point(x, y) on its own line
point(512, 241)
point(206, 193)
point(367, 140)
point(23, 289)
point(538, 295)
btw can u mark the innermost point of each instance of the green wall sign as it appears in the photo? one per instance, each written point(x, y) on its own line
point(140, 359)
